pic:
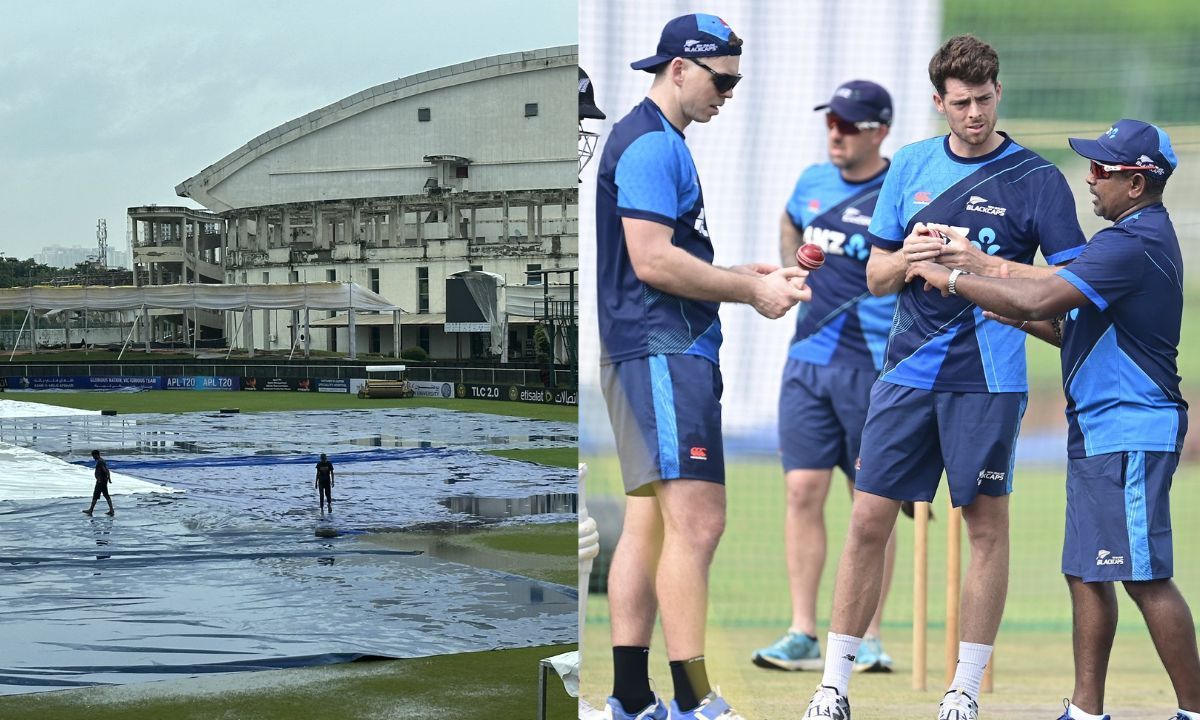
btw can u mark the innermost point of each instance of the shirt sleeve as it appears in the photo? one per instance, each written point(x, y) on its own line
point(796, 203)
point(647, 179)
point(1058, 229)
point(1110, 267)
point(887, 222)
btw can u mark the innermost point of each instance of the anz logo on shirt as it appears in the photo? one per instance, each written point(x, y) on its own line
point(835, 242)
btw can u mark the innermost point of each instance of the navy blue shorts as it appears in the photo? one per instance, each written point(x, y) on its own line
point(912, 435)
point(1119, 516)
point(822, 409)
point(666, 415)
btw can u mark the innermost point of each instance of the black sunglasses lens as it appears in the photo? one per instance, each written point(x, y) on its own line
point(725, 83)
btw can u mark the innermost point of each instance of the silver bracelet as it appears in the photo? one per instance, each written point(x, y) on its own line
point(952, 284)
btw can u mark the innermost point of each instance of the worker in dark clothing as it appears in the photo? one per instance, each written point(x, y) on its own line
point(325, 482)
point(103, 478)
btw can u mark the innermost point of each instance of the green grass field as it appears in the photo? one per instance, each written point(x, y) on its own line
point(749, 607)
point(421, 688)
point(432, 688)
point(179, 401)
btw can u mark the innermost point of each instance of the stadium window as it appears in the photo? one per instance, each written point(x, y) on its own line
point(266, 278)
point(531, 109)
point(331, 276)
point(423, 114)
point(423, 338)
point(294, 276)
point(476, 268)
point(373, 273)
point(532, 274)
point(422, 289)
point(375, 340)
point(461, 172)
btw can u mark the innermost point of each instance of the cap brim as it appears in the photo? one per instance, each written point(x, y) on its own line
point(1092, 150)
point(821, 107)
point(650, 63)
point(588, 110)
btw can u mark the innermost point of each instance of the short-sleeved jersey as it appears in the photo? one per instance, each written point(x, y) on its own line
point(844, 324)
point(101, 472)
point(325, 471)
point(1119, 351)
point(647, 173)
point(1008, 203)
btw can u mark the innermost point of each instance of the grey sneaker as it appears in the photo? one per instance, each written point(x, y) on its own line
point(793, 651)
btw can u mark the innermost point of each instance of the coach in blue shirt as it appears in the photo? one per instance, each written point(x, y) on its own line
point(1116, 312)
point(657, 296)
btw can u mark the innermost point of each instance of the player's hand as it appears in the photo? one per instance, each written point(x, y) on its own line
point(959, 252)
point(777, 292)
point(920, 245)
point(935, 276)
point(755, 269)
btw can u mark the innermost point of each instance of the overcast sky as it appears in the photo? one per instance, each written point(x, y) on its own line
point(109, 105)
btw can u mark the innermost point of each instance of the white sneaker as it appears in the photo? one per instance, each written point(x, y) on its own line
point(827, 702)
point(957, 705)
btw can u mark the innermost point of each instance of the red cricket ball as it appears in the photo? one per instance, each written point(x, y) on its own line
point(810, 257)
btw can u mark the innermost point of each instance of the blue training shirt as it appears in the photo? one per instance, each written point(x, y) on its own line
point(1008, 203)
point(646, 172)
point(844, 324)
point(1119, 352)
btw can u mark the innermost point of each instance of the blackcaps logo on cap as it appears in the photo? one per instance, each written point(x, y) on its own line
point(583, 84)
point(1112, 131)
point(1146, 162)
point(699, 46)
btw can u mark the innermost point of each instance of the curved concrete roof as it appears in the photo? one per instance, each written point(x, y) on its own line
point(462, 73)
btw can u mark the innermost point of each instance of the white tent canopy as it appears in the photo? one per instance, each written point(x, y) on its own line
point(293, 296)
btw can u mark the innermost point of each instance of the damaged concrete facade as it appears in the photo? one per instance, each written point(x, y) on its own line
point(472, 166)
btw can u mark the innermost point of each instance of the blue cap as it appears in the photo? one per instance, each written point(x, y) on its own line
point(860, 101)
point(695, 36)
point(1131, 142)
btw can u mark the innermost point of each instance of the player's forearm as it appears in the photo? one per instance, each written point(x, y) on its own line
point(1017, 298)
point(677, 272)
point(885, 272)
point(1043, 330)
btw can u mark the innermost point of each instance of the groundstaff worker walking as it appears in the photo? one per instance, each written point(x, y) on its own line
point(1116, 311)
point(103, 478)
point(324, 482)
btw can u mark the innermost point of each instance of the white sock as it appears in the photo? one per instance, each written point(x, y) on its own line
point(840, 661)
point(1189, 714)
point(972, 659)
point(1075, 713)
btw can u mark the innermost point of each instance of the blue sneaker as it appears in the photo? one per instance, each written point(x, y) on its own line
point(794, 651)
point(614, 710)
point(712, 707)
point(871, 657)
point(1067, 711)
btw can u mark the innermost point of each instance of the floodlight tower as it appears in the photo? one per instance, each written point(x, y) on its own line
point(102, 243)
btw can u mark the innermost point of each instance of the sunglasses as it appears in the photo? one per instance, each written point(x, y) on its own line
point(845, 127)
point(1100, 171)
point(724, 82)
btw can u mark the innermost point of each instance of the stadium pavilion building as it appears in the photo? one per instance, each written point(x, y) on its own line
point(471, 167)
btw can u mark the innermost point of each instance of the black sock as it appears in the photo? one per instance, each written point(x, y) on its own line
point(631, 678)
point(691, 682)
